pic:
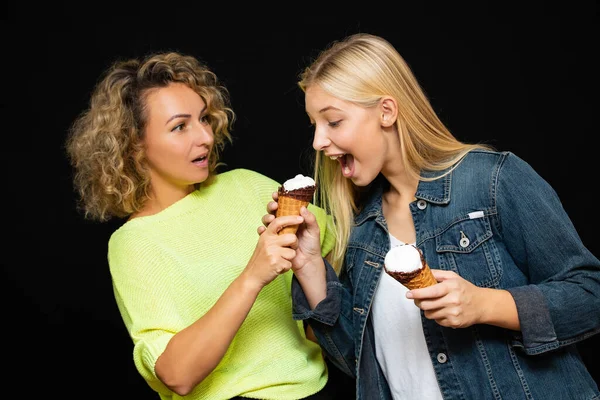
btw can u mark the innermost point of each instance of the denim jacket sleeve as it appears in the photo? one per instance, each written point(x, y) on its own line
point(331, 327)
point(560, 305)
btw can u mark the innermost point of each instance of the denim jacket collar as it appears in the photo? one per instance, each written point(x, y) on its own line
point(436, 191)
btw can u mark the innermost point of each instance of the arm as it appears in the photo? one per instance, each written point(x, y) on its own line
point(561, 302)
point(457, 303)
point(563, 275)
point(195, 351)
point(167, 346)
point(318, 296)
point(331, 319)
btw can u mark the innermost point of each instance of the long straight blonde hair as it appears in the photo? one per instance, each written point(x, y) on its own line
point(361, 69)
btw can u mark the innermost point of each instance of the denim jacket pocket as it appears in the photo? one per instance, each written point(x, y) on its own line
point(467, 247)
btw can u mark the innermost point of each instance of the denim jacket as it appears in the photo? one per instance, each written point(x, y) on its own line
point(494, 221)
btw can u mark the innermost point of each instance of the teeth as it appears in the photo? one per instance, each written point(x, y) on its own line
point(334, 157)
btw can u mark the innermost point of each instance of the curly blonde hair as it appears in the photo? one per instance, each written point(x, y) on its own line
point(361, 69)
point(105, 143)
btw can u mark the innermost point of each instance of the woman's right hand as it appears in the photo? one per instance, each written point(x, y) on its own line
point(273, 253)
point(308, 248)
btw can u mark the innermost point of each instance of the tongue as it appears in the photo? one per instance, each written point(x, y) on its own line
point(347, 165)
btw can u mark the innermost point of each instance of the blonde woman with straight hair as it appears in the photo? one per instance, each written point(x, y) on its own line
point(513, 288)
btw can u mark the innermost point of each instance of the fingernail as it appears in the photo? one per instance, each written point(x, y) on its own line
point(409, 295)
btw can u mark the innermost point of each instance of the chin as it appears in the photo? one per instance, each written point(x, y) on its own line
point(201, 177)
point(362, 180)
point(359, 182)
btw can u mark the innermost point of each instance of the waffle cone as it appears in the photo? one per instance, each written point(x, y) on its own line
point(416, 279)
point(289, 203)
point(420, 278)
point(289, 206)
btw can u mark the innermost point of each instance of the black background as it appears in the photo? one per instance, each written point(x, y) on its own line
point(521, 79)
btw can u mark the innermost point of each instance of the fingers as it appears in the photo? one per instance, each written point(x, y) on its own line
point(267, 219)
point(288, 254)
point(279, 223)
point(309, 217)
point(434, 291)
point(310, 220)
point(430, 292)
point(441, 275)
point(272, 207)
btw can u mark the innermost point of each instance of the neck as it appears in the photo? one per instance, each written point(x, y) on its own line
point(401, 189)
point(401, 183)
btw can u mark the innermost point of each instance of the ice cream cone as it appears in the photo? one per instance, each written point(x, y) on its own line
point(418, 278)
point(289, 206)
point(290, 201)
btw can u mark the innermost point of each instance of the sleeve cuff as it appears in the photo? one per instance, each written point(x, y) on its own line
point(537, 331)
point(328, 310)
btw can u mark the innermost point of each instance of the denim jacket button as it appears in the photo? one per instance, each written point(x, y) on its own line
point(422, 204)
point(464, 240)
point(442, 358)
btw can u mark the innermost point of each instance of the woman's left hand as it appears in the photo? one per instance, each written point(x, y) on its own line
point(453, 302)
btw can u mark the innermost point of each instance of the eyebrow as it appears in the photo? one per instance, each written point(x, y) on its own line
point(184, 115)
point(322, 110)
point(177, 116)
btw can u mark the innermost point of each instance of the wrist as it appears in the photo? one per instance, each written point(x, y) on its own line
point(314, 268)
point(313, 280)
point(498, 309)
point(247, 284)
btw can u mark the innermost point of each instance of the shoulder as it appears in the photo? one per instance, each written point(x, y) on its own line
point(247, 179)
point(129, 246)
point(507, 170)
point(479, 157)
point(128, 237)
point(241, 175)
point(244, 183)
point(493, 158)
point(490, 162)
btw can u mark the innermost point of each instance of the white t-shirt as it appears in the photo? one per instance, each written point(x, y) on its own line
point(399, 341)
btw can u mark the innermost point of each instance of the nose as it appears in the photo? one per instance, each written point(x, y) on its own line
point(203, 135)
point(320, 141)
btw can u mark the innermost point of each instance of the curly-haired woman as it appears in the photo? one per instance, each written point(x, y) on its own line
point(207, 306)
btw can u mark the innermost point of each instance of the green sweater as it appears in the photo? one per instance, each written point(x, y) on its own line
point(168, 270)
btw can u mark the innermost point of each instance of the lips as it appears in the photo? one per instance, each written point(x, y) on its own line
point(201, 160)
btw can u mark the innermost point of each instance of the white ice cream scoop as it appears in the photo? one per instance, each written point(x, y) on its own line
point(298, 182)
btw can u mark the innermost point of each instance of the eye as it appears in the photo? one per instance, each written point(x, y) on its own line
point(179, 127)
point(334, 124)
point(205, 119)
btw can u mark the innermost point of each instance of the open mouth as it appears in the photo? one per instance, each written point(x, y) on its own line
point(201, 161)
point(346, 162)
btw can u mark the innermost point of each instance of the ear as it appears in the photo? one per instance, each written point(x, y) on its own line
point(389, 111)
